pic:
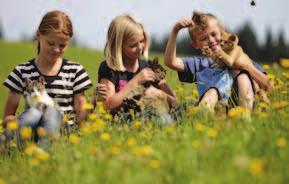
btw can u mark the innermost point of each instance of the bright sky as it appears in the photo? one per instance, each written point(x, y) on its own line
point(92, 17)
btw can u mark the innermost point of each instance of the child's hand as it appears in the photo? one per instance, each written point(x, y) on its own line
point(102, 90)
point(183, 23)
point(146, 75)
point(152, 91)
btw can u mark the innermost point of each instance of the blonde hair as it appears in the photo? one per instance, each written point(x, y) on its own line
point(120, 29)
point(55, 22)
point(200, 20)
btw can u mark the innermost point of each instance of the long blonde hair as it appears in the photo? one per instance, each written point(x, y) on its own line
point(120, 29)
point(55, 22)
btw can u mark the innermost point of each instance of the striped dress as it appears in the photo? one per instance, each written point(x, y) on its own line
point(70, 80)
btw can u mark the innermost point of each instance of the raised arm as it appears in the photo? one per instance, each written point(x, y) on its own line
point(170, 58)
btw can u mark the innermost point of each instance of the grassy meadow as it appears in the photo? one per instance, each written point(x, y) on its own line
point(197, 149)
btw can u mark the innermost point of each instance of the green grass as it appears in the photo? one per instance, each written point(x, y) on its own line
point(197, 149)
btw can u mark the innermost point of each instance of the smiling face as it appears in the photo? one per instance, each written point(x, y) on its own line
point(52, 45)
point(133, 47)
point(211, 36)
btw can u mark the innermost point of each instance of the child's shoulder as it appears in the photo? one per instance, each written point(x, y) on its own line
point(197, 60)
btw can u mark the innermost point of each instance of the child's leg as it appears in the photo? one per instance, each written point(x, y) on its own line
point(245, 91)
point(51, 122)
point(210, 98)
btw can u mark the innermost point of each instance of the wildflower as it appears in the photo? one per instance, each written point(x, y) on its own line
point(284, 62)
point(100, 108)
point(41, 132)
point(12, 125)
point(73, 139)
point(154, 164)
point(256, 167)
point(1, 122)
point(212, 133)
point(239, 113)
point(30, 149)
point(266, 67)
point(1, 129)
point(145, 150)
point(130, 142)
point(26, 132)
point(97, 125)
point(286, 75)
point(41, 154)
point(85, 129)
point(279, 105)
point(107, 117)
point(88, 106)
point(92, 150)
point(200, 127)
point(281, 142)
point(34, 162)
point(169, 129)
point(137, 125)
point(196, 143)
point(92, 116)
point(2, 181)
point(105, 136)
point(115, 150)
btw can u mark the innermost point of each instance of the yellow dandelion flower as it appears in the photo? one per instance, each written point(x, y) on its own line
point(271, 76)
point(12, 125)
point(2, 181)
point(154, 164)
point(100, 108)
point(212, 133)
point(264, 105)
point(34, 162)
point(238, 112)
point(26, 132)
point(196, 143)
point(85, 129)
point(281, 142)
point(41, 132)
point(280, 104)
point(130, 142)
point(107, 117)
point(145, 150)
point(284, 62)
point(105, 136)
point(74, 139)
point(1, 122)
point(1, 129)
point(30, 149)
point(92, 116)
point(286, 75)
point(266, 67)
point(88, 106)
point(256, 167)
point(41, 154)
point(200, 127)
point(115, 150)
point(137, 124)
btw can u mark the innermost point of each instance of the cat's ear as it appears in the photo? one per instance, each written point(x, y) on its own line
point(41, 80)
point(233, 38)
point(156, 60)
point(28, 81)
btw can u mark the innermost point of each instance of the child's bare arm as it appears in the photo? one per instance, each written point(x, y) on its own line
point(11, 105)
point(79, 102)
point(170, 58)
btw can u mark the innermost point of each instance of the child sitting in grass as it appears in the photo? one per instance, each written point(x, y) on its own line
point(214, 82)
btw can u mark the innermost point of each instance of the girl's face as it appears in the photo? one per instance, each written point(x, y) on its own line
point(211, 36)
point(52, 45)
point(133, 47)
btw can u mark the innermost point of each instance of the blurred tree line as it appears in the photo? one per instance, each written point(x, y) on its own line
point(271, 51)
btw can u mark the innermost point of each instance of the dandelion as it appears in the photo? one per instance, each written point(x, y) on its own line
point(41, 154)
point(169, 130)
point(266, 67)
point(92, 116)
point(137, 125)
point(26, 132)
point(256, 167)
point(286, 75)
point(73, 139)
point(107, 117)
point(88, 106)
point(92, 150)
point(105, 136)
point(41, 132)
point(154, 164)
point(284, 62)
point(115, 150)
point(2, 181)
point(97, 125)
point(12, 125)
point(34, 162)
point(279, 105)
point(130, 142)
point(200, 127)
point(1, 122)
point(212, 133)
point(30, 149)
point(1, 129)
point(281, 142)
point(145, 150)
